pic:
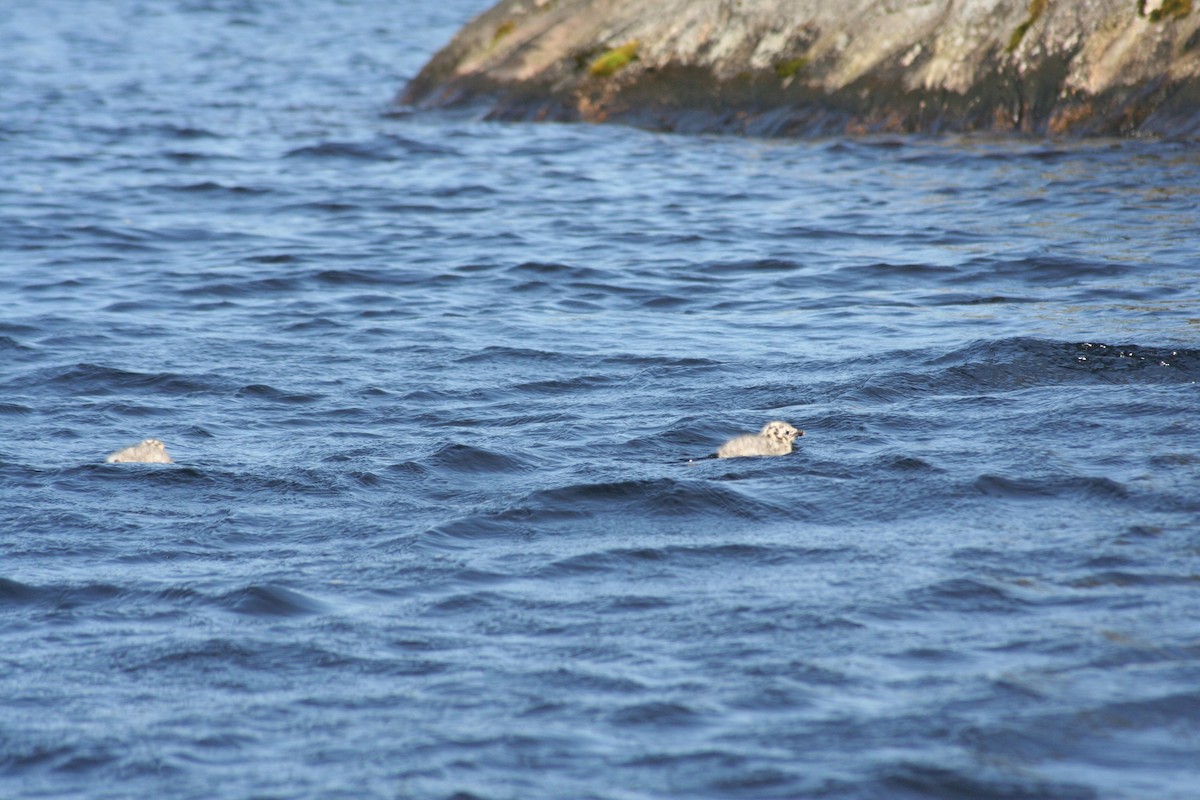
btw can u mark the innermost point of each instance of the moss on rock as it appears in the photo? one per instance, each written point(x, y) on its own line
point(789, 68)
point(615, 60)
point(1171, 9)
point(504, 29)
point(1036, 7)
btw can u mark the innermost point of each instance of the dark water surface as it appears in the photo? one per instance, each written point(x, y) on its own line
point(431, 384)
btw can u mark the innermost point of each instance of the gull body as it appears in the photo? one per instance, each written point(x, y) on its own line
point(775, 439)
point(147, 451)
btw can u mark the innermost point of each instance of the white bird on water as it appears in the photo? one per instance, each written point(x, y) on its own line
point(147, 451)
point(775, 439)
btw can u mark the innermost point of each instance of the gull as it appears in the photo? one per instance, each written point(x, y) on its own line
point(147, 451)
point(775, 439)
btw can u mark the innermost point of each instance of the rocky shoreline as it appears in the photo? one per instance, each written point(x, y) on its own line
point(805, 67)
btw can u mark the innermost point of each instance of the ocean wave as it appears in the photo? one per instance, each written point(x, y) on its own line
point(1084, 487)
point(683, 559)
point(907, 779)
point(1014, 364)
point(271, 601)
point(464, 458)
point(389, 147)
point(97, 379)
point(663, 497)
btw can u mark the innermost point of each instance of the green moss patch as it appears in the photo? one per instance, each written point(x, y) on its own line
point(788, 69)
point(614, 60)
point(1036, 7)
point(505, 28)
point(1171, 9)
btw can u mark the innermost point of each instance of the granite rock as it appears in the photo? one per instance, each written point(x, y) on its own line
point(804, 67)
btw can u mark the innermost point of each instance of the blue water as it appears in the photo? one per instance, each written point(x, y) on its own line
point(432, 384)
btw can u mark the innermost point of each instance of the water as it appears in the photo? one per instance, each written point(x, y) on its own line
point(432, 383)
